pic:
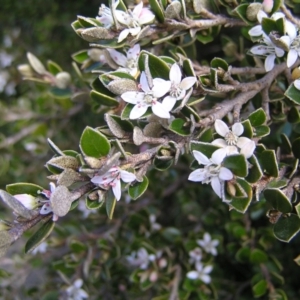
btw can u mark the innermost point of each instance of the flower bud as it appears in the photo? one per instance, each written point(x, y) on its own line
point(27, 200)
point(25, 70)
point(252, 11)
point(268, 5)
point(296, 73)
point(62, 80)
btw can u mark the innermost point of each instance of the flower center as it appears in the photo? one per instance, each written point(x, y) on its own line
point(149, 99)
point(131, 63)
point(175, 90)
point(231, 139)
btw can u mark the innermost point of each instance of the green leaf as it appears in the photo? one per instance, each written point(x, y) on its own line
point(260, 288)
point(24, 188)
point(258, 256)
point(255, 172)
point(93, 143)
point(293, 115)
point(54, 148)
point(60, 93)
point(241, 203)
point(53, 67)
point(243, 254)
point(93, 204)
point(219, 63)
point(39, 236)
point(205, 148)
point(110, 202)
point(103, 99)
point(287, 227)
point(241, 11)
point(138, 189)
point(296, 148)
point(81, 56)
point(158, 68)
point(162, 165)
point(268, 161)
point(178, 126)
point(258, 117)
point(237, 164)
point(206, 135)
point(268, 25)
point(278, 200)
point(261, 131)
point(248, 130)
point(157, 9)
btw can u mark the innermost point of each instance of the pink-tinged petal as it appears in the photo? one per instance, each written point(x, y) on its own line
point(134, 52)
point(297, 84)
point(248, 149)
point(192, 275)
point(175, 74)
point(26, 200)
point(238, 129)
point(256, 31)
point(197, 175)
point(159, 110)
point(218, 156)
point(46, 209)
point(219, 142)
point(123, 35)
point(268, 5)
point(146, 16)
point(187, 82)
point(116, 188)
point(270, 62)
point(160, 87)
point(291, 58)
point(137, 111)
point(168, 103)
point(118, 57)
point(221, 127)
point(133, 97)
point(138, 9)
point(127, 176)
point(225, 174)
point(103, 179)
point(201, 158)
point(144, 83)
point(216, 186)
point(279, 52)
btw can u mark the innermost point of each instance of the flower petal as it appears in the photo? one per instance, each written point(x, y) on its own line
point(291, 57)
point(159, 110)
point(270, 62)
point(175, 74)
point(237, 129)
point(127, 176)
point(169, 102)
point(297, 84)
point(116, 188)
point(192, 275)
point(46, 209)
point(123, 35)
point(198, 175)
point(160, 87)
point(201, 158)
point(133, 97)
point(248, 149)
point(225, 174)
point(146, 16)
point(137, 111)
point(290, 29)
point(144, 82)
point(205, 278)
point(187, 82)
point(218, 156)
point(216, 186)
point(219, 142)
point(221, 127)
point(118, 57)
point(256, 31)
point(134, 52)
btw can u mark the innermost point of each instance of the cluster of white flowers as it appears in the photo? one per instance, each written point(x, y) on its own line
point(131, 20)
point(202, 272)
point(272, 46)
point(149, 97)
point(213, 171)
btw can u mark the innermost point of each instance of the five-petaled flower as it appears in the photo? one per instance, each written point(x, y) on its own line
point(208, 245)
point(75, 292)
point(213, 172)
point(140, 258)
point(178, 87)
point(149, 98)
point(233, 143)
point(201, 273)
point(127, 63)
point(112, 179)
point(195, 255)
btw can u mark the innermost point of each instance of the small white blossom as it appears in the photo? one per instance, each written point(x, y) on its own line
point(233, 143)
point(41, 248)
point(213, 172)
point(208, 245)
point(27, 200)
point(127, 63)
point(112, 178)
point(46, 208)
point(140, 258)
point(153, 224)
point(178, 87)
point(195, 255)
point(134, 20)
point(75, 292)
point(149, 98)
point(200, 273)
point(5, 59)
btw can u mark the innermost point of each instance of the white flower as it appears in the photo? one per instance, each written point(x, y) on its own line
point(213, 172)
point(5, 59)
point(153, 224)
point(233, 143)
point(149, 98)
point(297, 84)
point(74, 292)
point(200, 273)
point(292, 42)
point(195, 255)
point(41, 248)
point(128, 63)
point(134, 20)
point(208, 244)
point(112, 179)
point(140, 258)
point(178, 87)
point(46, 208)
point(27, 200)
